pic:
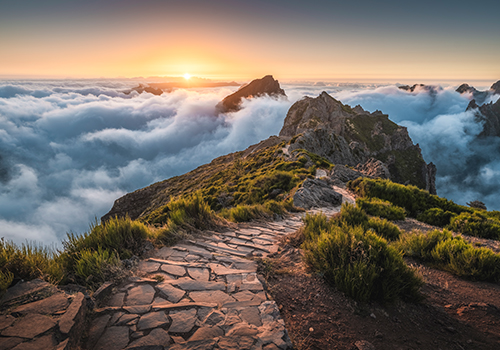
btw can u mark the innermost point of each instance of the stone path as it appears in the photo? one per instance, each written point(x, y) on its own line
point(202, 294)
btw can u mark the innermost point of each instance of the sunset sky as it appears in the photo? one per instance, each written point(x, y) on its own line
point(232, 39)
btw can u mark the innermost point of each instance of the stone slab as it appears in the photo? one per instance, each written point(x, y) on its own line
point(46, 342)
point(215, 296)
point(24, 288)
point(157, 339)
point(173, 269)
point(152, 320)
point(114, 338)
point(140, 295)
point(183, 321)
point(56, 302)
point(29, 326)
point(171, 293)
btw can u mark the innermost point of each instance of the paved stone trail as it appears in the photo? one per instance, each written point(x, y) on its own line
point(209, 296)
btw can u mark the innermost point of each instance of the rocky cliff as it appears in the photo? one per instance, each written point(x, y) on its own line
point(258, 87)
point(357, 138)
point(479, 96)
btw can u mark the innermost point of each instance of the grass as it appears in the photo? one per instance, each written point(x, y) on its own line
point(429, 208)
point(378, 207)
point(357, 261)
point(453, 254)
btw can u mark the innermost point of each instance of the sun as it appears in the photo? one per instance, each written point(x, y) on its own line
point(187, 76)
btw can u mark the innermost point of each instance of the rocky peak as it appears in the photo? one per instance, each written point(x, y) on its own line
point(258, 87)
point(495, 88)
point(309, 113)
point(357, 138)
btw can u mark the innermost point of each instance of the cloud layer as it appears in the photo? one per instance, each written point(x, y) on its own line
point(67, 152)
point(69, 149)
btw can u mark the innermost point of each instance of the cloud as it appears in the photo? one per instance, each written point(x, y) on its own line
point(69, 151)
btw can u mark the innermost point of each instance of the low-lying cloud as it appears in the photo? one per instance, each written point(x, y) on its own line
point(67, 152)
point(69, 149)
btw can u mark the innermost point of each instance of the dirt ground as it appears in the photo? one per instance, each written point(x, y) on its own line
point(456, 314)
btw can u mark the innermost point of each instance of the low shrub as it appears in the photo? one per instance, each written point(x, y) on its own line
point(411, 198)
point(476, 224)
point(93, 267)
point(384, 228)
point(452, 254)
point(242, 213)
point(436, 217)
point(379, 207)
point(358, 262)
point(29, 261)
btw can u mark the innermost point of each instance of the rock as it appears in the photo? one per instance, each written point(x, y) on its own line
point(258, 87)
point(342, 135)
point(46, 342)
point(72, 322)
point(29, 326)
point(364, 345)
point(211, 296)
point(251, 315)
point(6, 321)
point(236, 342)
point(206, 332)
point(140, 295)
point(170, 292)
point(54, 303)
point(199, 273)
point(157, 339)
point(103, 292)
point(374, 168)
point(189, 285)
point(182, 321)
point(316, 193)
point(174, 270)
point(127, 320)
point(495, 88)
point(116, 300)
point(215, 318)
point(96, 330)
point(152, 320)
point(206, 344)
point(10, 342)
point(114, 338)
point(24, 288)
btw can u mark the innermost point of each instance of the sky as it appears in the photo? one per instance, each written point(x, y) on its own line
point(362, 40)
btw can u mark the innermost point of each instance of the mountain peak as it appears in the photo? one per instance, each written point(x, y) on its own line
point(258, 87)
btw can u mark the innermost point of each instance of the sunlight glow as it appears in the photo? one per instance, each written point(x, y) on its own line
point(187, 76)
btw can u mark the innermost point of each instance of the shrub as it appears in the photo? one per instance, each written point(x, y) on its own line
point(242, 213)
point(411, 198)
point(379, 207)
point(352, 215)
point(29, 261)
point(6, 279)
point(453, 254)
point(121, 235)
point(384, 228)
point(93, 266)
point(358, 262)
point(476, 224)
point(436, 217)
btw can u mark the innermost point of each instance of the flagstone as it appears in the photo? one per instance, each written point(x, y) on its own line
point(140, 295)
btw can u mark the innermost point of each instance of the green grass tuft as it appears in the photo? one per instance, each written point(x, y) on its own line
point(379, 207)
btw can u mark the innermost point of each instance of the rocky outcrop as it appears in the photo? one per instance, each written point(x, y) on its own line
point(37, 315)
point(354, 137)
point(258, 87)
point(316, 193)
point(479, 96)
point(489, 115)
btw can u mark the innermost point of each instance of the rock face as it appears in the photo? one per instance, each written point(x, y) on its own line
point(258, 87)
point(489, 115)
point(354, 137)
point(316, 193)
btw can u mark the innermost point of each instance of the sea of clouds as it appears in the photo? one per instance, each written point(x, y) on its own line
point(68, 149)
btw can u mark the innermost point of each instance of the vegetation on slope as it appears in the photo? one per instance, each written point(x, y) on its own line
point(357, 260)
point(430, 208)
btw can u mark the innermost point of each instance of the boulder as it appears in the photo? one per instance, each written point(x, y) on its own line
point(316, 193)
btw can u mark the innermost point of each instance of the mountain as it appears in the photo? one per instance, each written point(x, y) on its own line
point(479, 96)
point(317, 134)
point(258, 87)
point(489, 115)
point(355, 137)
point(160, 88)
